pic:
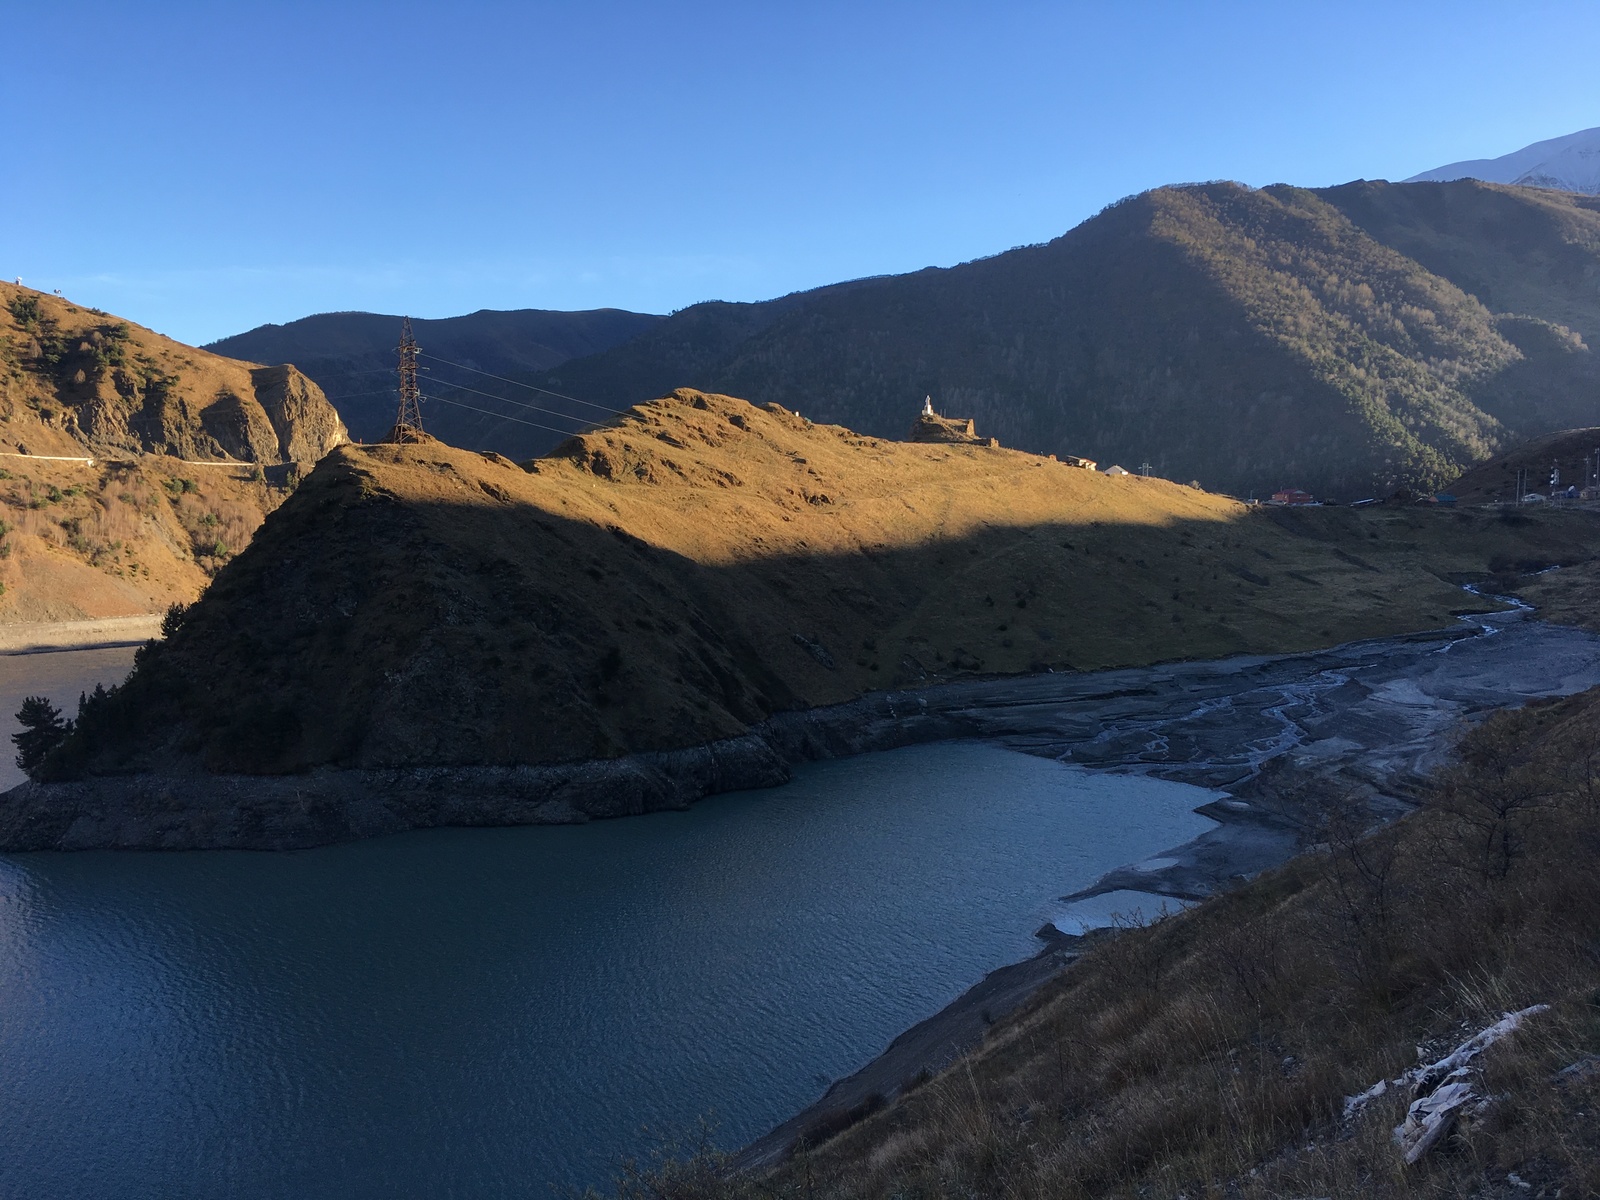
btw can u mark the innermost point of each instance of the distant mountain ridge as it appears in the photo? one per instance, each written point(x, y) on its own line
point(1570, 163)
point(352, 355)
point(1345, 340)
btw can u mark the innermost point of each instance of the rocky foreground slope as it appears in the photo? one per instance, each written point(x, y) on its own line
point(132, 466)
point(468, 629)
point(1406, 1012)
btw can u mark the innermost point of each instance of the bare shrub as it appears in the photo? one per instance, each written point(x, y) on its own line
point(1363, 880)
point(1499, 787)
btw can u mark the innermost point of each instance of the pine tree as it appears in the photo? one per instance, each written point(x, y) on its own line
point(42, 731)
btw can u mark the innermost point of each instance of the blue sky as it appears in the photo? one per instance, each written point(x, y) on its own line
point(204, 168)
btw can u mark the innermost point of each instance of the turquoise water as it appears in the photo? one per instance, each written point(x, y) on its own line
point(484, 1013)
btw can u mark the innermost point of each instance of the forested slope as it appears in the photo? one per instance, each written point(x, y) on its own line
point(1344, 340)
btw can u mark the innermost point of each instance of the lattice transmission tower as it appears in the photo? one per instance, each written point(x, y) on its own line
point(408, 420)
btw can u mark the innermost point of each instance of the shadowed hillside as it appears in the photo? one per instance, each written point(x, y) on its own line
point(352, 355)
point(704, 563)
point(1344, 340)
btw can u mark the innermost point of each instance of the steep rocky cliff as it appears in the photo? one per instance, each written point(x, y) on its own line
point(132, 466)
point(78, 382)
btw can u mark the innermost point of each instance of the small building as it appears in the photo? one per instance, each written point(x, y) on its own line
point(1445, 498)
point(1086, 464)
point(1292, 496)
point(1114, 469)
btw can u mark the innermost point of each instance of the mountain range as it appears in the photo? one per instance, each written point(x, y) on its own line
point(352, 355)
point(1345, 340)
point(1570, 163)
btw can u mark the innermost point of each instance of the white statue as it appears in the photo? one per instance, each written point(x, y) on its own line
point(927, 406)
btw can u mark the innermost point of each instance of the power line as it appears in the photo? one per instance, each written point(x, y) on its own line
point(500, 416)
point(518, 383)
point(554, 412)
point(388, 391)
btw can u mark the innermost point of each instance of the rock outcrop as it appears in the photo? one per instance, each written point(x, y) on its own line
point(81, 382)
point(306, 425)
point(134, 466)
point(961, 431)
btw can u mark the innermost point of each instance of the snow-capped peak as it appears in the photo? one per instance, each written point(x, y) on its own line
point(1570, 163)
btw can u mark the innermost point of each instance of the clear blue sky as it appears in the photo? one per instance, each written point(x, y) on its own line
point(203, 168)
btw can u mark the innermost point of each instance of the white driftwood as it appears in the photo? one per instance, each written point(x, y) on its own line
point(1431, 1076)
point(1431, 1117)
point(1440, 1089)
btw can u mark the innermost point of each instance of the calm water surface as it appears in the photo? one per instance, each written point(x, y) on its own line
point(486, 1013)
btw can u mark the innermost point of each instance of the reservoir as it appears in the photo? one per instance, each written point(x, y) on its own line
point(489, 1012)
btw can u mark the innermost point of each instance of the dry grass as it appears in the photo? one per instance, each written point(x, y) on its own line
point(119, 539)
point(95, 539)
point(1210, 1055)
point(705, 563)
point(76, 381)
point(1566, 596)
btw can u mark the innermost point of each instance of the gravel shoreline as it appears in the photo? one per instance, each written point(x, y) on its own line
point(47, 637)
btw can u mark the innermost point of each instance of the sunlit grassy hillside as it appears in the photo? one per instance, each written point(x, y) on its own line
point(132, 466)
point(704, 563)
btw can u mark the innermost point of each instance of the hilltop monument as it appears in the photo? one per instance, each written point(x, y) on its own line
point(931, 427)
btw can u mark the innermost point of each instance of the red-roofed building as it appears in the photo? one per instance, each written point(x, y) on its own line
point(1292, 496)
